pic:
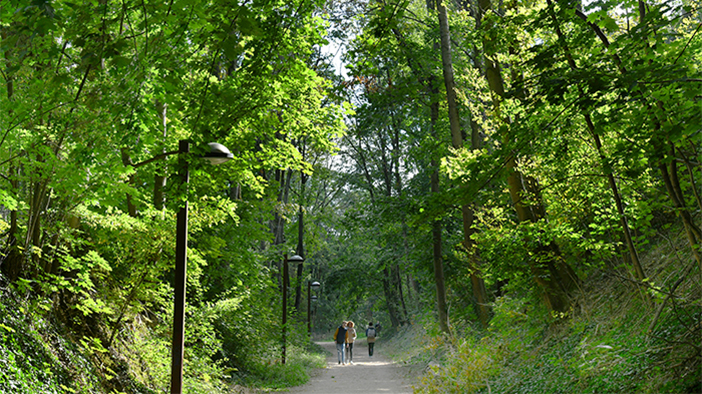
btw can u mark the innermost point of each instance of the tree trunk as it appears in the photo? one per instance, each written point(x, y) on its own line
point(401, 295)
point(277, 225)
point(391, 296)
point(437, 229)
point(428, 80)
point(159, 176)
point(439, 272)
point(300, 242)
point(478, 284)
point(11, 266)
point(34, 225)
point(554, 277)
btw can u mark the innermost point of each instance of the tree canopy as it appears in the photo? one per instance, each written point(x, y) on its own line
point(470, 151)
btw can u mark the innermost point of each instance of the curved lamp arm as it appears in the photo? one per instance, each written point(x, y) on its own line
point(218, 154)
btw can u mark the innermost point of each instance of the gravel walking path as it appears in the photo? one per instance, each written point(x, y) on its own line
point(375, 374)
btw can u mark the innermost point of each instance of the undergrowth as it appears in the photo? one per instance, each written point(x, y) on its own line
point(604, 346)
point(41, 354)
point(35, 356)
point(269, 374)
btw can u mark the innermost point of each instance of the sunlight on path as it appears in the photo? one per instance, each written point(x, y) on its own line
point(366, 375)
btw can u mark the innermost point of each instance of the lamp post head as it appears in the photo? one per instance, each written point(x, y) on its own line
point(296, 259)
point(315, 285)
point(313, 298)
point(218, 154)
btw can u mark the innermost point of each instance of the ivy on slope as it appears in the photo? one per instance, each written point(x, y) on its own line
point(35, 358)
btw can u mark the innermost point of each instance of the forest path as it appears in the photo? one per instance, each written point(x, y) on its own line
point(375, 374)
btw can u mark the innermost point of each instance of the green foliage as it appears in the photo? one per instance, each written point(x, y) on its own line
point(522, 353)
point(36, 357)
point(603, 347)
point(92, 92)
point(295, 372)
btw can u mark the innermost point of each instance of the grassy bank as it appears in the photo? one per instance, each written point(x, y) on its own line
point(605, 346)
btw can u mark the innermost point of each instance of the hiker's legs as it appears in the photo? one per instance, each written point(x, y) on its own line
point(340, 352)
point(350, 355)
point(370, 349)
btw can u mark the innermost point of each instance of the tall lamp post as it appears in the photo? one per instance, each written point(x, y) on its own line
point(296, 259)
point(310, 285)
point(218, 154)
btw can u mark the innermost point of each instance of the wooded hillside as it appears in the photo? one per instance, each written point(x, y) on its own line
point(465, 166)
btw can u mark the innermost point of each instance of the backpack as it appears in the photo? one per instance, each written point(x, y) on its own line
point(341, 335)
point(371, 332)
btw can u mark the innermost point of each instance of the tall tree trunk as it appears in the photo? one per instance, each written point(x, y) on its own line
point(437, 224)
point(278, 223)
point(159, 176)
point(300, 241)
point(391, 299)
point(11, 258)
point(429, 81)
point(551, 273)
point(34, 224)
point(477, 281)
point(401, 294)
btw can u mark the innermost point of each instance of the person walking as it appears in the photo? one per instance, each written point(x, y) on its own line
point(350, 338)
point(371, 333)
point(340, 336)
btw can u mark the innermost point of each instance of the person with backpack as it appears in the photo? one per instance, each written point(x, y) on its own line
point(340, 337)
point(371, 333)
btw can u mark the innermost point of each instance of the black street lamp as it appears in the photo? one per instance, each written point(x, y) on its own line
point(218, 154)
point(296, 259)
point(310, 286)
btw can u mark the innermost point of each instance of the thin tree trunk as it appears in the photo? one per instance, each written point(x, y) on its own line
point(278, 223)
point(34, 225)
point(12, 264)
point(159, 176)
point(429, 81)
point(401, 294)
point(439, 272)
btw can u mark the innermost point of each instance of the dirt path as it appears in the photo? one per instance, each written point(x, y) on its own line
point(366, 375)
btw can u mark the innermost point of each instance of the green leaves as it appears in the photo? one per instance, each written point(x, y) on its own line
point(248, 26)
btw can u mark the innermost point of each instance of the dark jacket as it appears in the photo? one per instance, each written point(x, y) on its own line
point(341, 335)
